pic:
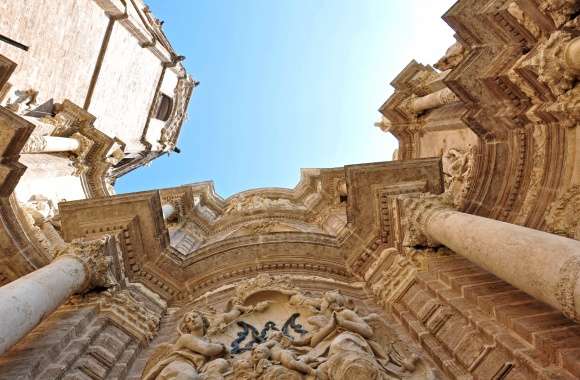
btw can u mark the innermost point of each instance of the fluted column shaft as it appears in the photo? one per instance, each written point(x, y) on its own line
point(27, 300)
point(544, 265)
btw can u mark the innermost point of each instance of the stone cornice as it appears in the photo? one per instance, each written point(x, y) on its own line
point(276, 237)
point(14, 132)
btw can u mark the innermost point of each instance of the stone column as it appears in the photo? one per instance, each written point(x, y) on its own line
point(544, 265)
point(49, 144)
point(434, 100)
point(168, 210)
point(573, 55)
point(78, 267)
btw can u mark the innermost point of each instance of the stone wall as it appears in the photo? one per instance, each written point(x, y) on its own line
point(474, 324)
point(124, 109)
point(91, 337)
point(61, 60)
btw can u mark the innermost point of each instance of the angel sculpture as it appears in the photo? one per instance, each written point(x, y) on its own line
point(191, 357)
point(234, 310)
point(343, 342)
point(273, 361)
point(279, 345)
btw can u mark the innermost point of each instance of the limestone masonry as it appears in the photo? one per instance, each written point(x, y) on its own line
point(459, 259)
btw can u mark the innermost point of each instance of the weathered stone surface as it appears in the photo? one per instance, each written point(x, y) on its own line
point(348, 258)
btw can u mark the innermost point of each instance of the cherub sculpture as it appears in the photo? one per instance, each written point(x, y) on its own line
point(234, 310)
point(343, 343)
point(191, 356)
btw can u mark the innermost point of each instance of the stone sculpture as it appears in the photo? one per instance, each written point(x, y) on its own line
point(243, 203)
point(190, 356)
point(22, 101)
point(341, 344)
point(233, 311)
point(458, 170)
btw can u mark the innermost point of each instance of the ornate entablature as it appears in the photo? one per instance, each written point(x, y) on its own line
point(208, 242)
point(507, 93)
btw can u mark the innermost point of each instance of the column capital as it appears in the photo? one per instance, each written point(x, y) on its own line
point(92, 254)
point(417, 211)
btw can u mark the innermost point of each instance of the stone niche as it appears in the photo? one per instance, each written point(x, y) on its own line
point(272, 329)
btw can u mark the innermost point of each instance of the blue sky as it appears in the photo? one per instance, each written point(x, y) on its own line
point(287, 84)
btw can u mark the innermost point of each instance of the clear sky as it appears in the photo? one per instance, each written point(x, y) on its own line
point(287, 84)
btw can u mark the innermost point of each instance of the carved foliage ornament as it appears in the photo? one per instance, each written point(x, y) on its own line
point(551, 61)
point(562, 217)
point(417, 213)
point(560, 10)
point(91, 253)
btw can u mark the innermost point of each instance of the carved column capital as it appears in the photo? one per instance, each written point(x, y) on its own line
point(557, 61)
point(92, 254)
point(417, 212)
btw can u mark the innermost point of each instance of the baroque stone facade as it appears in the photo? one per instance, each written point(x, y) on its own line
point(459, 259)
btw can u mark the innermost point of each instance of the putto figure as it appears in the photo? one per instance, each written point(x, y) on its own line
point(191, 356)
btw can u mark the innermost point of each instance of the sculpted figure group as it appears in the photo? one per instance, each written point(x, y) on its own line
point(341, 346)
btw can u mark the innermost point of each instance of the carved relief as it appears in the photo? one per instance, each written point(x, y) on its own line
point(566, 287)
point(243, 203)
point(537, 174)
point(22, 101)
point(393, 280)
point(35, 144)
point(551, 62)
point(327, 339)
point(452, 57)
point(418, 210)
point(562, 217)
point(560, 10)
point(458, 166)
point(191, 355)
point(41, 215)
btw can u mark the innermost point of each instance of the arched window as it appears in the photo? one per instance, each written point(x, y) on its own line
point(165, 107)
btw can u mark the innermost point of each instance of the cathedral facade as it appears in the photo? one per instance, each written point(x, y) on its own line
point(458, 259)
